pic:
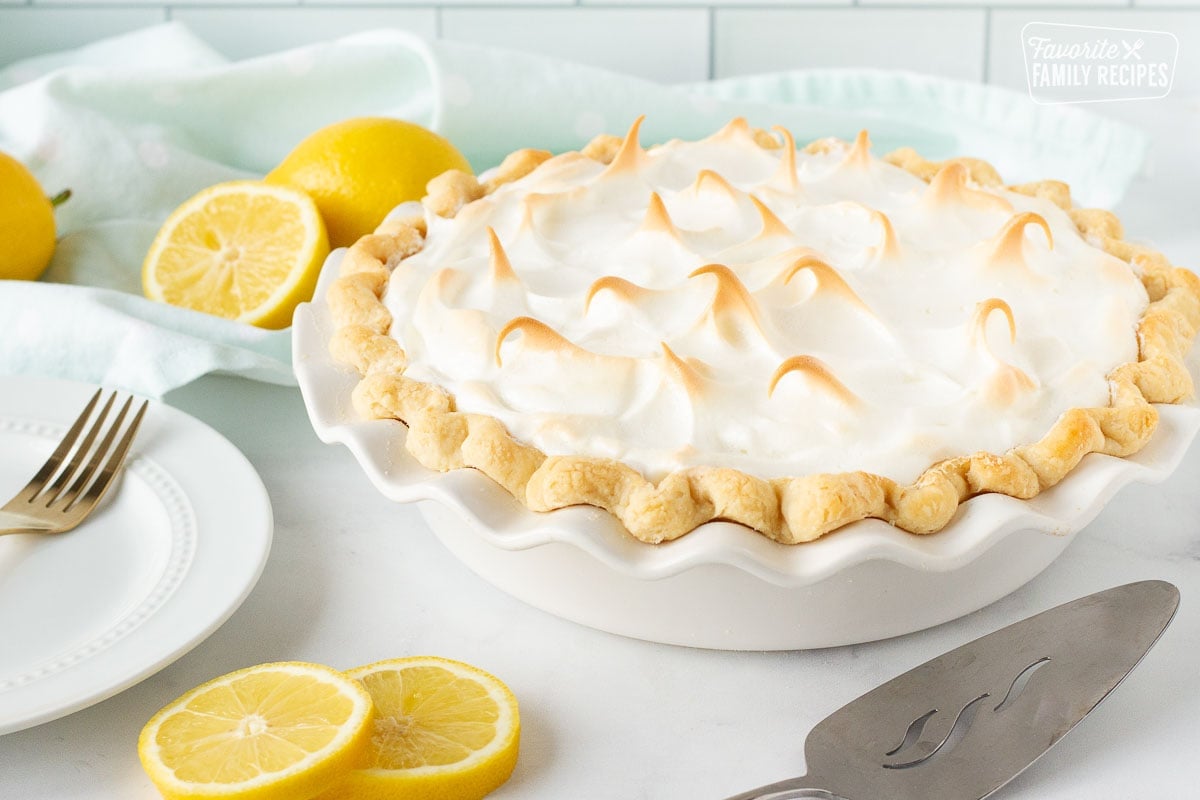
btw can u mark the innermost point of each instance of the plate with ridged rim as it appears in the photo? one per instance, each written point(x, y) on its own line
point(994, 545)
point(173, 550)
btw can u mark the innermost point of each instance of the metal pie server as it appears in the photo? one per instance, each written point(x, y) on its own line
point(964, 724)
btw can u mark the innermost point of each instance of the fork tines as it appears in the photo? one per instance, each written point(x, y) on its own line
point(91, 467)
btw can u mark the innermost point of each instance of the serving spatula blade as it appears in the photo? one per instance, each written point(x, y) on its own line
point(962, 725)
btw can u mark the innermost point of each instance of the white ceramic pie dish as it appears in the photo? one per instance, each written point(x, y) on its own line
point(722, 586)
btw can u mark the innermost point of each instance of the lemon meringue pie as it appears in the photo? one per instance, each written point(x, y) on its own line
point(735, 328)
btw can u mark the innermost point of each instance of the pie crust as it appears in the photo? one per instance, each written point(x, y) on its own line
point(789, 509)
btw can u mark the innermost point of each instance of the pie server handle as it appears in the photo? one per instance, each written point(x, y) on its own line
point(803, 788)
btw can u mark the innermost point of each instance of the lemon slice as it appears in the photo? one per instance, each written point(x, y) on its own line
point(443, 730)
point(282, 731)
point(243, 250)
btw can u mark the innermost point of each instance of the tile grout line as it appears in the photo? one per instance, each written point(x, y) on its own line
point(856, 5)
point(712, 43)
point(987, 45)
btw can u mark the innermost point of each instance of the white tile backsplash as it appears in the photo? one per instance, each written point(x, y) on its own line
point(30, 31)
point(665, 40)
point(245, 32)
point(945, 42)
point(669, 45)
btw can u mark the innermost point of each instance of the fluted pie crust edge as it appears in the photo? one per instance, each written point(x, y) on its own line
point(788, 510)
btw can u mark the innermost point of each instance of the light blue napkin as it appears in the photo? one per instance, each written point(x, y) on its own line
point(136, 124)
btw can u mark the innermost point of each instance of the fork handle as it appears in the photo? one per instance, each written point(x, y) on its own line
point(19, 523)
point(802, 788)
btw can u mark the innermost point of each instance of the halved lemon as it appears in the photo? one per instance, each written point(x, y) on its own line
point(282, 731)
point(443, 730)
point(244, 250)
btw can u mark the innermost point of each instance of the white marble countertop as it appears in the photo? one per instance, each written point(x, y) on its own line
point(353, 578)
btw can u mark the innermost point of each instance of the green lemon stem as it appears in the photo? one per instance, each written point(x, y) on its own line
point(60, 198)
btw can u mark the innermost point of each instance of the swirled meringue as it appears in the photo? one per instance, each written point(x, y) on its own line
point(781, 312)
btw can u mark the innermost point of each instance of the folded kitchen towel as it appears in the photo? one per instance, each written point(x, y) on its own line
point(137, 124)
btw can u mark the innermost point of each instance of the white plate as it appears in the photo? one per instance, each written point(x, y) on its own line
point(173, 550)
point(722, 586)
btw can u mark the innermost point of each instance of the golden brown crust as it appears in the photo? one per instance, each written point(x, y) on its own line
point(787, 510)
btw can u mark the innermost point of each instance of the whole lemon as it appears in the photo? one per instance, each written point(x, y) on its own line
point(360, 169)
point(26, 223)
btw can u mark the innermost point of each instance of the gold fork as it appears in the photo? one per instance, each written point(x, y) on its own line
point(58, 498)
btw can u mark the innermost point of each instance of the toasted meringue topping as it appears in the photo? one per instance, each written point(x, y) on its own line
point(732, 296)
point(949, 188)
point(816, 370)
point(1010, 242)
point(771, 224)
point(781, 312)
point(501, 267)
point(626, 290)
point(657, 219)
point(537, 335)
point(828, 279)
point(735, 128)
point(984, 310)
point(860, 153)
point(631, 156)
point(708, 180)
point(1006, 386)
point(785, 178)
point(688, 372)
point(889, 248)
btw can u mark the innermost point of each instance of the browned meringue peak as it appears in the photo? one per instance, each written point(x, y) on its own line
point(736, 128)
point(1009, 243)
point(860, 152)
point(771, 224)
point(950, 187)
point(691, 373)
point(657, 220)
point(540, 336)
point(1007, 248)
point(786, 178)
point(731, 303)
point(628, 291)
point(631, 157)
point(829, 281)
point(1006, 383)
point(889, 248)
point(708, 180)
point(820, 375)
point(499, 265)
point(983, 311)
